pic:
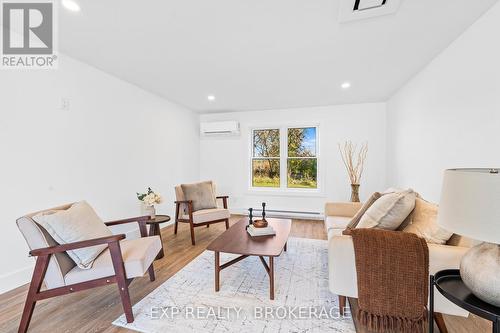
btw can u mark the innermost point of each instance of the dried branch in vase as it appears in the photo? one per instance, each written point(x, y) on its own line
point(353, 159)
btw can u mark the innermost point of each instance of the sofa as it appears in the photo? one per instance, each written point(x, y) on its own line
point(341, 258)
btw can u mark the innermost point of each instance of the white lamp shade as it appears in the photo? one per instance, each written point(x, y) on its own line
point(470, 203)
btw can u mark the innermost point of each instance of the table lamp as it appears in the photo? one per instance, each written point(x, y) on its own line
point(470, 206)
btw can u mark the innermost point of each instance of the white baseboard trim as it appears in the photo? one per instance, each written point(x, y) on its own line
point(15, 279)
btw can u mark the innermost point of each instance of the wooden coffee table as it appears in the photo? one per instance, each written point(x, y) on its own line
point(236, 240)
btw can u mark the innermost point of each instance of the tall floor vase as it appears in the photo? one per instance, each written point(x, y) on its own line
point(354, 192)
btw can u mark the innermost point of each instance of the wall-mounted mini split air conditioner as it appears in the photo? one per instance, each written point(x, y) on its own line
point(220, 128)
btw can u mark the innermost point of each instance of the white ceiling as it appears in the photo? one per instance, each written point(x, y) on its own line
point(262, 54)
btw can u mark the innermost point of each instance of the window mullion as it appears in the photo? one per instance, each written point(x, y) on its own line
point(283, 157)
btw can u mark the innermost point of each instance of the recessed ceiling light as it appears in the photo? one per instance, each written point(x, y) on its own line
point(211, 98)
point(71, 5)
point(346, 85)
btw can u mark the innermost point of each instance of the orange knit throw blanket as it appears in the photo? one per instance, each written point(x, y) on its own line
point(393, 273)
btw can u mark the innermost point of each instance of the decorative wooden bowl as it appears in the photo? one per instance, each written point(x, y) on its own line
point(260, 224)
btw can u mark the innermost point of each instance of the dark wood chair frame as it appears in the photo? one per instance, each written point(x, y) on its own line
point(192, 225)
point(438, 317)
point(42, 262)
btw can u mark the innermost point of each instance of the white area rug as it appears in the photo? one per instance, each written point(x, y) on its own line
point(187, 302)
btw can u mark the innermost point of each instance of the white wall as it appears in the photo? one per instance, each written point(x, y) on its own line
point(115, 140)
point(226, 159)
point(449, 114)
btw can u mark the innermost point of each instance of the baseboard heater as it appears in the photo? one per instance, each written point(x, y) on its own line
point(289, 213)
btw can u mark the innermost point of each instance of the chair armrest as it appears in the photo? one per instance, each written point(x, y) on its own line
point(445, 257)
point(76, 245)
point(346, 209)
point(141, 220)
point(224, 200)
point(129, 220)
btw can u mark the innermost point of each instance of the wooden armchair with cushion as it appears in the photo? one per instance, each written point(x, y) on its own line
point(101, 259)
point(196, 204)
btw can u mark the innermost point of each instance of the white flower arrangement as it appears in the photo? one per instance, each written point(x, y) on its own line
point(150, 198)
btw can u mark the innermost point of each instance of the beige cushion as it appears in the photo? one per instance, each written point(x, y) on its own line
point(389, 211)
point(138, 254)
point(78, 223)
point(207, 215)
point(202, 194)
point(424, 223)
point(355, 220)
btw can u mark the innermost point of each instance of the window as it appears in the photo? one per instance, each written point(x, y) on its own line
point(290, 151)
point(302, 163)
point(266, 158)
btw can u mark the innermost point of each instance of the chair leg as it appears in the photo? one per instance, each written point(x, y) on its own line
point(177, 208)
point(208, 225)
point(151, 271)
point(41, 265)
point(438, 318)
point(125, 296)
point(121, 280)
point(227, 224)
point(192, 234)
point(342, 302)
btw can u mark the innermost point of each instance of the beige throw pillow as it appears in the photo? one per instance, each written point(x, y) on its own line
point(424, 223)
point(356, 218)
point(77, 223)
point(202, 194)
point(389, 211)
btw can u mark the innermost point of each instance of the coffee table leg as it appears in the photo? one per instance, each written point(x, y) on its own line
point(217, 270)
point(271, 277)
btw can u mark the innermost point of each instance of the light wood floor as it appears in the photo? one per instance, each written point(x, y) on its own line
point(94, 310)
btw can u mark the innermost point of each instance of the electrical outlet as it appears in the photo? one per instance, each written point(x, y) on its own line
point(65, 104)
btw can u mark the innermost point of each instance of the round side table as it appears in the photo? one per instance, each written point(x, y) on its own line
point(154, 230)
point(449, 283)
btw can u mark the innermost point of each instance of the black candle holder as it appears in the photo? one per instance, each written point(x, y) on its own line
point(250, 217)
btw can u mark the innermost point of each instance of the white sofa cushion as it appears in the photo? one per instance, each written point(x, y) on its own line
point(206, 215)
point(336, 222)
point(389, 211)
point(138, 254)
point(77, 223)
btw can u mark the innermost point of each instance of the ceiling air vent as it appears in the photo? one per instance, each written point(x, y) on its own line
point(351, 10)
point(368, 4)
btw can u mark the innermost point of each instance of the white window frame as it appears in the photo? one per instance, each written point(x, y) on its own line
point(284, 189)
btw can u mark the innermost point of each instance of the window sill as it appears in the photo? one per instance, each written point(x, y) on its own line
point(286, 192)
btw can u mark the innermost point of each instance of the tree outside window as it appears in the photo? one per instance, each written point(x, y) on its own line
point(266, 158)
point(302, 162)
